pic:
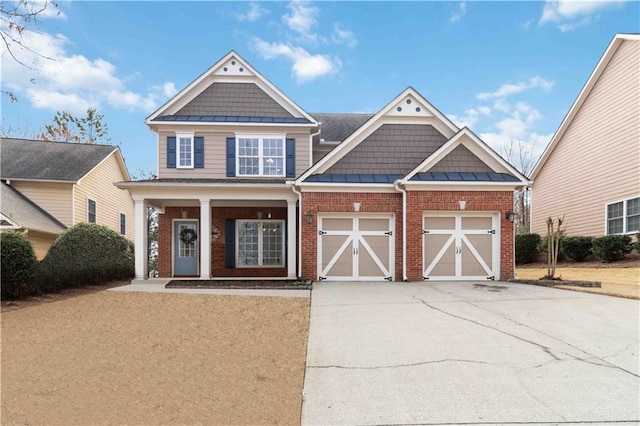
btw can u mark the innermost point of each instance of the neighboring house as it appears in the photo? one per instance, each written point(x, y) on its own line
point(590, 171)
point(269, 190)
point(49, 186)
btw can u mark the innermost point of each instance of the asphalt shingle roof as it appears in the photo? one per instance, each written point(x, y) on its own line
point(338, 127)
point(30, 159)
point(232, 119)
point(26, 213)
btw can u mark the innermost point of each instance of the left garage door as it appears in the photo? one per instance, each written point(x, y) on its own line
point(355, 247)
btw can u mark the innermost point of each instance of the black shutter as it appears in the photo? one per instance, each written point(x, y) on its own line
point(231, 157)
point(286, 245)
point(171, 152)
point(291, 158)
point(229, 243)
point(198, 152)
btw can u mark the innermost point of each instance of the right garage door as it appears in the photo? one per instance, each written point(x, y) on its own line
point(461, 246)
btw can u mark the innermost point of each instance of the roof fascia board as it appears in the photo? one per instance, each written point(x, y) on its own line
point(14, 224)
point(372, 125)
point(229, 123)
point(9, 179)
point(582, 96)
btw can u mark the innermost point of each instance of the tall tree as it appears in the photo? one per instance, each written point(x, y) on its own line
point(69, 128)
point(520, 154)
point(16, 17)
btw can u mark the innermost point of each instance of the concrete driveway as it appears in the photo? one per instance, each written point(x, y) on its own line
point(469, 353)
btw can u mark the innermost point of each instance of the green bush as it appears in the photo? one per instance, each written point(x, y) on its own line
point(612, 247)
point(18, 263)
point(637, 244)
point(87, 253)
point(577, 248)
point(526, 248)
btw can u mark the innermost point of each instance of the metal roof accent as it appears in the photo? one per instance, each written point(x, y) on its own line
point(62, 161)
point(26, 213)
point(233, 119)
point(464, 177)
point(353, 178)
point(337, 127)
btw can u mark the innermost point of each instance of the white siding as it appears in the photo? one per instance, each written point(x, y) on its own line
point(597, 161)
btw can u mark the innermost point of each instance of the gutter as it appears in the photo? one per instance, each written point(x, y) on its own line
point(311, 143)
point(293, 188)
point(396, 185)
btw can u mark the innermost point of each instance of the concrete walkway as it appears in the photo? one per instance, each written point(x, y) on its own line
point(470, 353)
point(160, 288)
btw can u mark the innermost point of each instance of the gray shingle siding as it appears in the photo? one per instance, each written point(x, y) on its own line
point(461, 160)
point(391, 149)
point(234, 99)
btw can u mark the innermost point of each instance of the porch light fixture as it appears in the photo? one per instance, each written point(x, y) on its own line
point(462, 204)
point(510, 216)
point(309, 216)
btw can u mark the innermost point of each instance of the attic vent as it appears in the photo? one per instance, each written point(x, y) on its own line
point(399, 109)
point(233, 62)
point(417, 109)
point(408, 101)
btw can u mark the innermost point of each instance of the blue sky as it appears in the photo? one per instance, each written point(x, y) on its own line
point(508, 70)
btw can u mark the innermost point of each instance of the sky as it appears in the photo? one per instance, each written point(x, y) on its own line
point(509, 71)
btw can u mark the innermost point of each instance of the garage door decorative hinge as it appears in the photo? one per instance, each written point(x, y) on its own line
point(425, 278)
point(387, 278)
point(388, 233)
point(424, 231)
point(322, 232)
point(492, 278)
point(493, 231)
point(322, 278)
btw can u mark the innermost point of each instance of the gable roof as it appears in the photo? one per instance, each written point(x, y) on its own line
point(232, 68)
point(25, 213)
point(335, 128)
point(582, 96)
point(409, 107)
point(53, 161)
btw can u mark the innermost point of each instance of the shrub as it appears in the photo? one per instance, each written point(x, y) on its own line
point(526, 247)
point(87, 253)
point(19, 263)
point(577, 248)
point(637, 244)
point(612, 247)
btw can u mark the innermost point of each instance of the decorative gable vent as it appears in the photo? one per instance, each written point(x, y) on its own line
point(234, 67)
point(409, 106)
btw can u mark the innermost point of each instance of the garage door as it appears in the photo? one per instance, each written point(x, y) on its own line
point(355, 247)
point(461, 246)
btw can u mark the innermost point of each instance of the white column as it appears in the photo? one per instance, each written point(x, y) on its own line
point(205, 238)
point(140, 221)
point(291, 239)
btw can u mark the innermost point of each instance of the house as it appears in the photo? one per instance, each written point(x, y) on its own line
point(50, 186)
point(252, 186)
point(590, 171)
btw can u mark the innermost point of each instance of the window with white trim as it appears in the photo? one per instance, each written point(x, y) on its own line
point(123, 224)
point(259, 243)
point(184, 146)
point(623, 217)
point(260, 155)
point(92, 210)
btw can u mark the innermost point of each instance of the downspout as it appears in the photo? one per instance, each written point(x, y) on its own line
point(311, 144)
point(293, 188)
point(396, 184)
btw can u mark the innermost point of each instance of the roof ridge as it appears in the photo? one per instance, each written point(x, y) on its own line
point(59, 142)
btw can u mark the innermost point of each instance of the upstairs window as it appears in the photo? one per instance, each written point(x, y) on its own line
point(260, 155)
point(623, 217)
point(185, 150)
point(92, 212)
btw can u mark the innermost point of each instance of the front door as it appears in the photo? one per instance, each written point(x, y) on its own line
point(185, 248)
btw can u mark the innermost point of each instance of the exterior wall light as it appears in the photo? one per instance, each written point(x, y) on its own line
point(309, 216)
point(510, 216)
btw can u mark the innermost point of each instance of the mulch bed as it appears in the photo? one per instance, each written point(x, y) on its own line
point(554, 283)
point(247, 285)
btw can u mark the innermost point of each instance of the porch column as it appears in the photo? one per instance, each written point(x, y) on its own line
point(205, 238)
point(291, 239)
point(141, 226)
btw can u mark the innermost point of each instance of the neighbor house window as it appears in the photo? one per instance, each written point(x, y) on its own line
point(123, 224)
point(91, 211)
point(185, 150)
point(260, 155)
point(260, 242)
point(623, 217)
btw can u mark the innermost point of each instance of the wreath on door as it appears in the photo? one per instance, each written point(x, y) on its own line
point(188, 235)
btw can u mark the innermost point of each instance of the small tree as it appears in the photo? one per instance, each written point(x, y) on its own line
point(66, 127)
point(553, 245)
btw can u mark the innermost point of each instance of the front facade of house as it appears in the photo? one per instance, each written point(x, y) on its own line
point(50, 186)
point(590, 171)
point(252, 186)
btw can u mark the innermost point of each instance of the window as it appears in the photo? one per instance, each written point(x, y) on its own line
point(123, 224)
point(260, 243)
point(260, 155)
point(186, 249)
point(91, 211)
point(185, 150)
point(623, 217)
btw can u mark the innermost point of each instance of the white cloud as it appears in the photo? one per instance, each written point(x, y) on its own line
point(343, 36)
point(303, 20)
point(254, 13)
point(459, 13)
point(508, 89)
point(570, 14)
point(305, 66)
point(168, 89)
point(471, 116)
point(58, 79)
